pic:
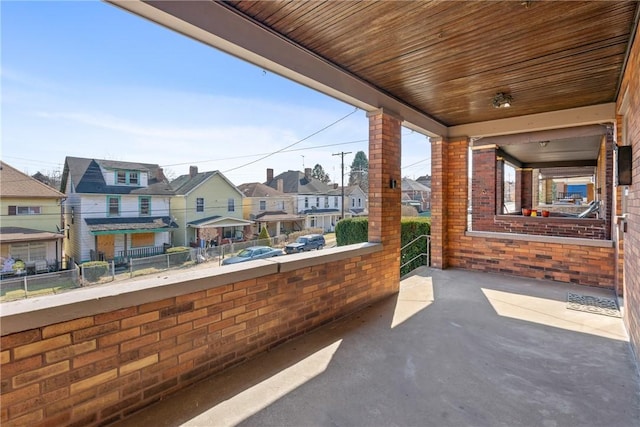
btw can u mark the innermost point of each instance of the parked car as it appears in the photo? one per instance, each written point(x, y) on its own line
point(305, 243)
point(254, 252)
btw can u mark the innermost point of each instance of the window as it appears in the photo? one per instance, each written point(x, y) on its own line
point(113, 205)
point(231, 205)
point(139, 240)
point(263, 205)
point(127, 177)
point(200, 204)
point(306, 202)
point(133, 178)
point(359, 202)
point(28, 251)
point(335, 202)
point(353, 203)
point(145, 205)
point(326, 201)
point(318, 201)
point(281, 205)
point(24, 210)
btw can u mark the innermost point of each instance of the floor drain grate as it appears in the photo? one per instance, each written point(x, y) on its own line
point(591, 304)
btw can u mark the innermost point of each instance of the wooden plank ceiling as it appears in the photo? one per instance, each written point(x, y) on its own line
point(448, 59)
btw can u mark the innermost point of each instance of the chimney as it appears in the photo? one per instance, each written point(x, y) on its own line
point(335, 186)
point(160, 175)
point(269, 175)
point(307, 173)
point(193, 171)
point(280, 185)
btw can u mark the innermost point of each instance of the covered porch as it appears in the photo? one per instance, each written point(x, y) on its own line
point(452, 348)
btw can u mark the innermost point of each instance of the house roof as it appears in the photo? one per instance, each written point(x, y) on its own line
point(151, 224)
point(411, 185)
point(20, 234)
point(185, 184)
point(347, 190)
point(256, 189)
point(270, 216)
point(296, 182)
point(218, 221)
point(86, 175)
point(17, 184)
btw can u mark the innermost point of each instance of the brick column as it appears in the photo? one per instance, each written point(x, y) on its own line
point(483, 188)
point(535, 189)
point(439, 166)
point(523, 189)
point(384, 173)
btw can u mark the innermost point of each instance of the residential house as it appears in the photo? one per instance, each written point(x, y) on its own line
point(314, 199)
point(115, 210)
point(208, 209)
point(270, 208)
point(355, 199)
point(416, 194)
point(31, 221)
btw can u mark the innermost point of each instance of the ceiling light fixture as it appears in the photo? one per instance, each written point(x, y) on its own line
point(502, 100)
point(543, 143)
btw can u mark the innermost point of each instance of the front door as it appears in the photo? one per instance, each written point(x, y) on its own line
point(106, 245)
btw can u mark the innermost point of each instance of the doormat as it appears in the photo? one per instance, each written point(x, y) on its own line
point(590, 304)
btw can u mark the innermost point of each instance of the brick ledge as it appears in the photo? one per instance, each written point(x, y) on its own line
point(32, 313)
point(542, 239)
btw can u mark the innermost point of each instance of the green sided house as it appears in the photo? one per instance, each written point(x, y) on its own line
point(208, 209)
point(31, 222)
point(115, 210)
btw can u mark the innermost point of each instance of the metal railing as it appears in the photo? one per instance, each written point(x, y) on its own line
point(415, 254)
point(33, 285)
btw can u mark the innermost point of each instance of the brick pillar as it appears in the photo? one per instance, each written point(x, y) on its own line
point(526, 188)
point(499, 185)
point(548, 191)
point(384, 168)
point(439, 166)
point(517, 190)
point(535, 189)
point(483, 188)
point(609, 181)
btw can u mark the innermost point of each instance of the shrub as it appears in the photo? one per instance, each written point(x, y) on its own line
point(352, 230)
point(264, 237)
point(179, 254)
point(92, 271)
point(410, 229)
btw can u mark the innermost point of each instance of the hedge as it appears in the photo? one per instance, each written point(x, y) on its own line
point(356, 230)
point(92, 271)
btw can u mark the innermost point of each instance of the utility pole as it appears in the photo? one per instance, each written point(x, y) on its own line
point(341, 154)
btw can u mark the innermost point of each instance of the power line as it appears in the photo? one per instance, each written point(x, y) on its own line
point(295, 143)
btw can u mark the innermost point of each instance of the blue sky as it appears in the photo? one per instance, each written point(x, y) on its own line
point(86, 79)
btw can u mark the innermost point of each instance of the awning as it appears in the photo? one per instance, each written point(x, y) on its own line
point(19, 234)
point(99, 226)
point(219, 222)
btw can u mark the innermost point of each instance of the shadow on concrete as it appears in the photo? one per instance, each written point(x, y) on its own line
point(453, 348)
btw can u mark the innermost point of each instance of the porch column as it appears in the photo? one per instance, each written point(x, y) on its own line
point(449, 198)
point(439, 197)
point(385, 183)
point(523, 189)
point(483, 187)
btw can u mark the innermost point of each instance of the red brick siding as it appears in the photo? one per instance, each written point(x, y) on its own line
point(483, 185)
point(559, 227)
point(100, 368)
point(631, 86)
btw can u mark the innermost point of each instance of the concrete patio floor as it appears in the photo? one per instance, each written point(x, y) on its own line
point(453, 348)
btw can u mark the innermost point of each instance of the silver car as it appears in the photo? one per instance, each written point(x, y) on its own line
point(254, 252)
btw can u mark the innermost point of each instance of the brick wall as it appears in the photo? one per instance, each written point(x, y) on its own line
point(550, 226)
point(631, 86)
point(98, 368)
point(567, 262)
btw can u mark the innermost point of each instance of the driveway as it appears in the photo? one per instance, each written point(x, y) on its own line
point(453, 348)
